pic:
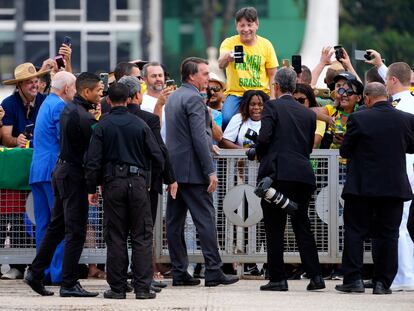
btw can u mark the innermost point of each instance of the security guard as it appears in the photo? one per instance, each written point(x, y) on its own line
point(122, 152)
point(70, 210)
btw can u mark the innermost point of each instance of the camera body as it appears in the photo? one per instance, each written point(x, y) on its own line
point(265, 191)
point(251, 152)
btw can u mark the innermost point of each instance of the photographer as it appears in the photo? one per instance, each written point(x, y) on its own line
point(283, 147)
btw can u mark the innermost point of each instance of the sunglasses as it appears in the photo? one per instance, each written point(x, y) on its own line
point(349, 92)
point(301, 100)
point(139, 78)
point(214, 88)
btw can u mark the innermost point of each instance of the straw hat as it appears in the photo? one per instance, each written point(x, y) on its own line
point(215, 77)
point(24, 72)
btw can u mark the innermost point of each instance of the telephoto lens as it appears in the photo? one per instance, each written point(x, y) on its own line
point(271, 195)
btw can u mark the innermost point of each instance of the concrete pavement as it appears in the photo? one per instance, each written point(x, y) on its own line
point(15, 295)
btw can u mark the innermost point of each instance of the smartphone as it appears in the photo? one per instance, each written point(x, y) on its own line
point(362, 55)
point(339, 52)
point(28, 131)
point(238, 54)
point(297, 63)
point(104, 78)
point(67, 40)
point(169, 82)
point(59, 61)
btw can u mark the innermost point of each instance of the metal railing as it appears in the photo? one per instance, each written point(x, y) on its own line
point(240, 230)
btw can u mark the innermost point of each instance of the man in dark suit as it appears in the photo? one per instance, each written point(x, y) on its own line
point(189, 146)
point(284, 144)
point(376, 187)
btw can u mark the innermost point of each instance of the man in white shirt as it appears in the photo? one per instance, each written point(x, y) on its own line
point(397, 78)
point(156, 95)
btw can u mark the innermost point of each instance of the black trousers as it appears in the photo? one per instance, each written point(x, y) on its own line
point(380, 219)
point(193, 197)
point(275, 223)
point(127, 212)
point(69, 219)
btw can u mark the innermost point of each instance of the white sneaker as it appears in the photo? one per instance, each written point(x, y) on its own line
point(403, 287)
point(12, 274)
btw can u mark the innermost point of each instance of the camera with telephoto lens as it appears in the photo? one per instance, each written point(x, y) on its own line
point(251, 152)
point(265, 191)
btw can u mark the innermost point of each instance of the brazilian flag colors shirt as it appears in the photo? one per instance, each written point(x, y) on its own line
point(251, 74)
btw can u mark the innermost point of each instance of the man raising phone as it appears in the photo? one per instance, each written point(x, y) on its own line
point(258, 68)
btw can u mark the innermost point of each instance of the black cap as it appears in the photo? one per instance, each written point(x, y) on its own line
point(345, 75)
point(141, 63)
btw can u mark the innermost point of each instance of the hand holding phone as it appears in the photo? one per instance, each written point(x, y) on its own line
point(104, 79)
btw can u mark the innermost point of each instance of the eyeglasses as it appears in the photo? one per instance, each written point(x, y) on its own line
point(214, 88)
point(301, 100)
point(349, 92)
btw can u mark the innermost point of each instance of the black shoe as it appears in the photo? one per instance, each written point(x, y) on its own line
point(380, 289)
point(187, 281)
point(281, 286)
point(354, 287)
point(158, 284)
point(224, 280)
point(110, 294)
point(316, 283)
point(36, 285)
point(145, 295)
point(76, 291)
point(155, 289)
point(369, 284)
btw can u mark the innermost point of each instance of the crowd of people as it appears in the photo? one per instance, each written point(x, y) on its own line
point(123, 142)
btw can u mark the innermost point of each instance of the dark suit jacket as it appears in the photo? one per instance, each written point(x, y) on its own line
point(153, 121)
point(375, 144)
point(286, 140)
point(186, 118)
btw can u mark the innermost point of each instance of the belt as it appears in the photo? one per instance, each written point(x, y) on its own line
point(125, 170)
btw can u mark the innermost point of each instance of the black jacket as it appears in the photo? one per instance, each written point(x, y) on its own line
point(375, 144)
point(285, 141)
point(153, 121)
point(121, 138)
point(76, 125)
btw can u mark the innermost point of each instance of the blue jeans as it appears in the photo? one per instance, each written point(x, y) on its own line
point(230, 108)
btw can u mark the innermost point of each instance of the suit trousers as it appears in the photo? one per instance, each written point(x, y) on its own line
point(69, 219)
point(275, 223)
point(43, 207)
point(376, 217)
point(193, 197)
point(127, 212)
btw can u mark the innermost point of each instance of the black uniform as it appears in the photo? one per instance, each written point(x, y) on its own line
point(122, 152)
point(167, 175)
point(70, 209)
point(284, 146)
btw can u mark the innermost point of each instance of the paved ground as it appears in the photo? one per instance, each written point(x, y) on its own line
point(15, 295)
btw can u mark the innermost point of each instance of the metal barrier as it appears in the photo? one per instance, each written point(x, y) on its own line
point(240, 230)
